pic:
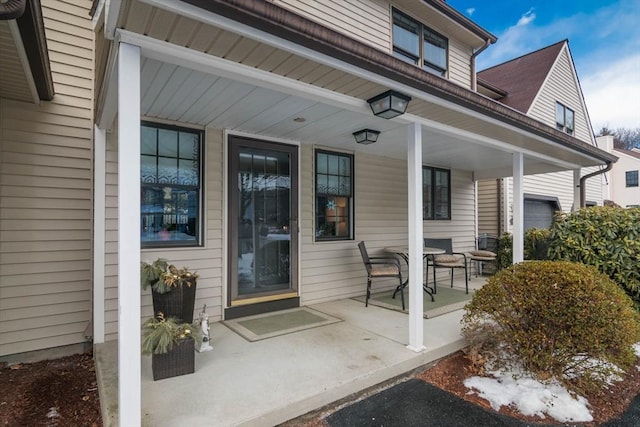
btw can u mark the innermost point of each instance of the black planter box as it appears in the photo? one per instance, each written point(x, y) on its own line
point(178, 303)
point(180, 360)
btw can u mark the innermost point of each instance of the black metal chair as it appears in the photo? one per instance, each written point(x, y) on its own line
point(486, 252)
point(381, 267)
point(449, 259)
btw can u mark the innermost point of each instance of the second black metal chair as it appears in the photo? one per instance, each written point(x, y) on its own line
point(449, 259)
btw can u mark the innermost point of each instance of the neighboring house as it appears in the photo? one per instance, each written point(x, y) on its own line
point(621, 185)
point(223, 141)
point(46, 174)
point(544, 85)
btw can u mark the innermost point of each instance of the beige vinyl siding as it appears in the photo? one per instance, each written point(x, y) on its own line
point(46, 196)
point(369, 21)
point(489, 207)
point(459, 63)
point(207, 260)
point(561, 86)
point(334, 270)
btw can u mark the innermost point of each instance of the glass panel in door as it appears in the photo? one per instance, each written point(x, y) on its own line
point(263, 213)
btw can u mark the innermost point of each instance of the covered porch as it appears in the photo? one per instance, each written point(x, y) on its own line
point(231, 78)
point(286, 376)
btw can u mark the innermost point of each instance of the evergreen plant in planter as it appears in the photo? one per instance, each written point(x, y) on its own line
point(171, 346)
point(173, 290)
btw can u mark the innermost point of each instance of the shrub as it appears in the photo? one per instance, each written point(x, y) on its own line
point(536, 246)
point(536, 243)
point(504, 257)
point(556, 318)
point(605, 237)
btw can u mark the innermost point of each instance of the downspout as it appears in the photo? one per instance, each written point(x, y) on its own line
point(474, 83)
point(583, 189)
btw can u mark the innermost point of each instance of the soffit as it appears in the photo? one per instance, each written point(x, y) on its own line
point(219, 102)
point(13, 81)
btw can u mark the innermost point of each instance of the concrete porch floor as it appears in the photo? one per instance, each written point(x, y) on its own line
point(268, 382)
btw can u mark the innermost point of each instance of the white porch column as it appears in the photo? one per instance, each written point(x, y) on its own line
point(576, 189)
point(518, 208)
point(129, 370)
point(414, 178)
point(99, 171)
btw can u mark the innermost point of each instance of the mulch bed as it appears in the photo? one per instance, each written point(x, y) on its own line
point(450, 373)
point(60, 392)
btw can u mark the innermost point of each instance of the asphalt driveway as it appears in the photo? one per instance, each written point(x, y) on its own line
point(417, 403)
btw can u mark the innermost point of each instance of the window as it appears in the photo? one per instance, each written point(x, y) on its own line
point(334, 196)
point(564, 118)
point(170, 181)
point(436, 193)
point(631, 178)
point(419, 45)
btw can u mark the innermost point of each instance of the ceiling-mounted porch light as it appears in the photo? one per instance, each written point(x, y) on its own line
point(366, 136)
point(389, 104)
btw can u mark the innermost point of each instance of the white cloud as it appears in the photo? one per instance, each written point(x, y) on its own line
point(612, 93)
point(525, 19)
point(470, 11)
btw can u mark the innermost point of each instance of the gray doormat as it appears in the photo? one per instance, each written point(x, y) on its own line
point(268, 325)
point(446, 300)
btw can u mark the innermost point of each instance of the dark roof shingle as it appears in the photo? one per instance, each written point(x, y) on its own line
point(522, 77)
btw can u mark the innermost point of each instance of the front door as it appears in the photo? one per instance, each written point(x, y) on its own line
point(263, 224)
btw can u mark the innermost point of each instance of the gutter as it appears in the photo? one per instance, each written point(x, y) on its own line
point(28, 17)
point(583, 189)
point(12, 9)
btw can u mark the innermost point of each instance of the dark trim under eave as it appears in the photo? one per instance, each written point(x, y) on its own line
point(31, 26)
point(290, 26)
point(12, 9)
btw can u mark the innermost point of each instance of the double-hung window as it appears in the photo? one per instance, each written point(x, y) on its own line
point(564, 118)
point(170, 185)
point(436, 193)
point(334, 196)
point(631, 178)
point(419, 45)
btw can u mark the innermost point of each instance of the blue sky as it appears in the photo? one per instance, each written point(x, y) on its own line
point(604, 39)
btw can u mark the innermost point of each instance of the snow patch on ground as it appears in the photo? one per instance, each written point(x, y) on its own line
point(516, 387)
point(530, 396)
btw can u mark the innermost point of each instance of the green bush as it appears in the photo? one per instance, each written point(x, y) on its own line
point(536, 246)
point(536, 243)
point(605, 237)
point(556, 318)
point(504, 257)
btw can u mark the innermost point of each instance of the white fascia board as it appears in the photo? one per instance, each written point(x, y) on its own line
point(193, 12)
point(24, 61)
point(181, 56)
point(489, 142)
point(112, 11)
point(107, 104)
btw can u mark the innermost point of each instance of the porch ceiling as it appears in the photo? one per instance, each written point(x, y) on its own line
point(237, 92)
point(179, 94)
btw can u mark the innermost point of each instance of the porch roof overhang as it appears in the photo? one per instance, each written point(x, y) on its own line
point(253, 67)
point(25, 72)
